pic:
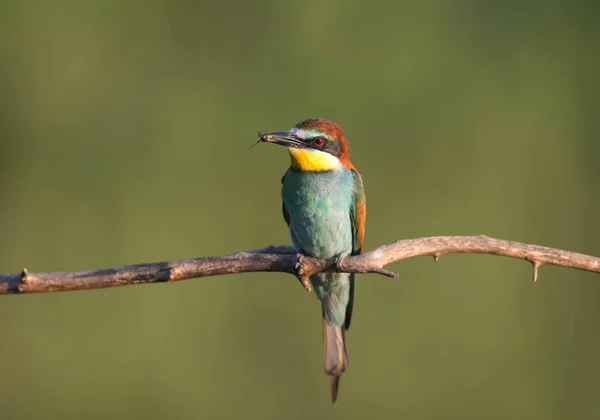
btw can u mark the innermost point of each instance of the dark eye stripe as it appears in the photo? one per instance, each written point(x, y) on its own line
point(322, 143)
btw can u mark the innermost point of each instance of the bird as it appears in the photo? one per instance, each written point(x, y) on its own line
point(324, 206)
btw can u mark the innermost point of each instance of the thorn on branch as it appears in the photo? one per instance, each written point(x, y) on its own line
point(436, 257)
point(536, 266)
point(25, 276)
point(25, 279)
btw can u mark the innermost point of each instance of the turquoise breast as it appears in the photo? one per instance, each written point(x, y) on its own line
point(318, 205)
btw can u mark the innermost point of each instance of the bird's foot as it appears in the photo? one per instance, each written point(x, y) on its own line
point(339, 260)
point(301, 272)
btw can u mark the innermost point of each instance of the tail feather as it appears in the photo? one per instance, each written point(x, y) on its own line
point(335, 357)
point(335, 384)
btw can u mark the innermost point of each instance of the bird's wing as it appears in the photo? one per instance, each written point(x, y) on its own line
point(358, 216)
point(286, 215)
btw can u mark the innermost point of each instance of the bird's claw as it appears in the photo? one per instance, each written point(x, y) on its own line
point(301, 273)
point(298, 265)
point(339, 260)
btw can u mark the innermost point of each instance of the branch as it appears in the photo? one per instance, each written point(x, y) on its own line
point(284, 258)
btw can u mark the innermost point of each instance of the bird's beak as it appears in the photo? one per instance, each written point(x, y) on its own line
point(282, 138)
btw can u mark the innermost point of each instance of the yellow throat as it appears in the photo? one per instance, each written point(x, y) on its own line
point(311, 160)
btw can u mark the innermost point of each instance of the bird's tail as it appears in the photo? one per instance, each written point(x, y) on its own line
point(335, 358)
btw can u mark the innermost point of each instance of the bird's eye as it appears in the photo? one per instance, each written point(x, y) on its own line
point(318, 141)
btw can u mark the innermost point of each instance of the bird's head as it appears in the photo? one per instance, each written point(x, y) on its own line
point(315, 145)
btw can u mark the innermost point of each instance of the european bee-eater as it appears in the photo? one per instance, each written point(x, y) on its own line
point(325, 209)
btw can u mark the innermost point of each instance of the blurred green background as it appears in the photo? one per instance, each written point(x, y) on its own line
point(124, 129)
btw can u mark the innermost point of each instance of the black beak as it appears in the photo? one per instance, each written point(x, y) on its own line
point(283, 139)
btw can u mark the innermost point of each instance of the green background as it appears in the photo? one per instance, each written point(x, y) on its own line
point(124, 129)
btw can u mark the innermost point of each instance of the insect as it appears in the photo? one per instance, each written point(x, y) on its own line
point(260, 135)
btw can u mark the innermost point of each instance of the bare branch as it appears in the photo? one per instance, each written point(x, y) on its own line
point(283, 259)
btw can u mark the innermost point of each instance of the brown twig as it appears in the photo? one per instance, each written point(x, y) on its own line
point(283, 259)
